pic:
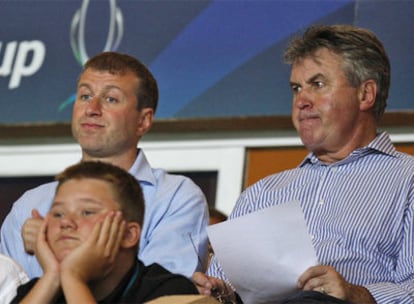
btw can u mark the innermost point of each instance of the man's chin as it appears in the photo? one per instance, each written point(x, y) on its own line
point(92, 150)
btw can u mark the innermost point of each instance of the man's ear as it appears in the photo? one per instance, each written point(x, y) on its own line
point(367, 94)
point(145, 121)
point(132, 235)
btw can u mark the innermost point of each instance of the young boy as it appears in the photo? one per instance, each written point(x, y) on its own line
point(89, 242)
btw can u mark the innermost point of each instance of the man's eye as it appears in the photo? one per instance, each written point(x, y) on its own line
point(85, 97)
point(318, 84)
point(111, 99)
point(296, 88)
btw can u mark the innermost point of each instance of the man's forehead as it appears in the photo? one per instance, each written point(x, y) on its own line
point(318, 63)
point(318, 56)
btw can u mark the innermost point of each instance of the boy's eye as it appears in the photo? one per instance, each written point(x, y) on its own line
point(87, 212)
point(57, 214)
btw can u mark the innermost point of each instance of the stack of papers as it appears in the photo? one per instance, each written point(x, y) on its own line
point(264, 253)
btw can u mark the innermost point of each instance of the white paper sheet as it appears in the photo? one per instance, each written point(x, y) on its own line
point(264, 253)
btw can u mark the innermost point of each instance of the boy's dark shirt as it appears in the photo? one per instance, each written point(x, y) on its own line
point(140, 284)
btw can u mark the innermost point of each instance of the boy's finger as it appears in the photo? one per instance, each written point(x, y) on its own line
point(116, 230)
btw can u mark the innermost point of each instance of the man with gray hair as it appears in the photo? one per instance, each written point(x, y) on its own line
point(356, 191)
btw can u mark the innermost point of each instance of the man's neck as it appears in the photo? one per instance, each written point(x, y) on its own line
point(363, 135)
point(124, 161)
point(330, 157)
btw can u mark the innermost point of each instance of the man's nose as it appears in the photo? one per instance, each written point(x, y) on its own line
point(94, 106)
point(302, 99)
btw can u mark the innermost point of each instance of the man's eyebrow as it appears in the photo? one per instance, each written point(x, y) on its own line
point(107, 87)
point(84, 85)
point(111, 86)
point(308, 81)
point(293, 83)
point(314, 77)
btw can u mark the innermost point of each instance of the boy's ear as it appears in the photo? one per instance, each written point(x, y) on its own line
point(132, 235)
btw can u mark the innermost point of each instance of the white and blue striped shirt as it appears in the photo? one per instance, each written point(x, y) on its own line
point(359, 212)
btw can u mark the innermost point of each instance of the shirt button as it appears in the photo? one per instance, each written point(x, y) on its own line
point(321, 202)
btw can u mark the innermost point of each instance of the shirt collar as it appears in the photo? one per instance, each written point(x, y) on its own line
point(142, 170)
point(380, 144)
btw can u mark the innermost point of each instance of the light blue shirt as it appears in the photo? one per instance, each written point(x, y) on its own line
point(359, 212)
point(174, 230)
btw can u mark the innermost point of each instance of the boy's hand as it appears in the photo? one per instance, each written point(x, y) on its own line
point(30, 231)
point(43, 251)
point(95, 257)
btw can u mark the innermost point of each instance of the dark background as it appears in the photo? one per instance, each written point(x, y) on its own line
point(11, 188)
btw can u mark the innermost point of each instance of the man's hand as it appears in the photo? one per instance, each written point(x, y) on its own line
point(30, 231)
point(214, 287)
point(327, 280)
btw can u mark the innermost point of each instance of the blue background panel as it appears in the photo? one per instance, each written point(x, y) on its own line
point(211, 58)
